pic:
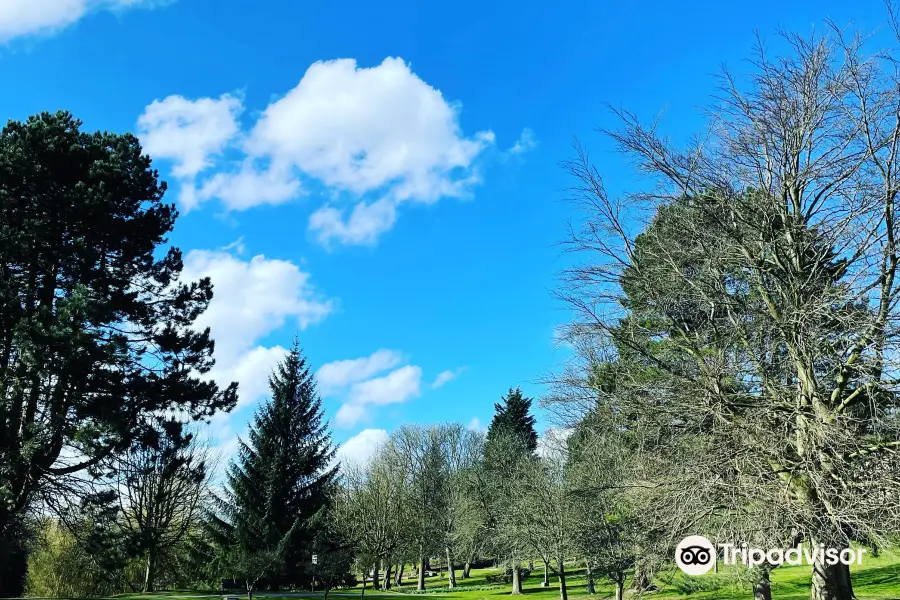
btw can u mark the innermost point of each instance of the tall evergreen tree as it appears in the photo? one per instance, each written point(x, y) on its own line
point(281, 477)
point(512, 416)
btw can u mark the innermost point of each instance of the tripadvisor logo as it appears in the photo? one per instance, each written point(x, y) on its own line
point(696, 555)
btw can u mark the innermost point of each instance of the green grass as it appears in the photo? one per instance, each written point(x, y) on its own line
point(875, 579)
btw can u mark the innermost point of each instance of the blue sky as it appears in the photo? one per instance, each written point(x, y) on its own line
point(381, 177)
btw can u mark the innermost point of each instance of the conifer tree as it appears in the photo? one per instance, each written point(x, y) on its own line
point(280, 480)
point(513, 416)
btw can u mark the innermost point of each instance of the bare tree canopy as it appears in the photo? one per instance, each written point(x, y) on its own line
point(741, 311)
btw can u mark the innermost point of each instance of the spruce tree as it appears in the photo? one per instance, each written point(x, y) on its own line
point(512, 416)
point(280, 480)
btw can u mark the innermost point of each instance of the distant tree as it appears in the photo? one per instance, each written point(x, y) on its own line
point(511, 441)
point(96, 329)
point(280, 479)
point(420, 452)
point(513, 415)
point(376, 507)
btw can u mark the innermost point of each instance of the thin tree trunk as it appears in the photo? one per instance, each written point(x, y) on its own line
point(620, 588)
point(399, 580)
point(387, 575)
point(546, 581)
point(831, 582)
point(150, 573)
point(563, 592)
point(250, 592)
point(590, 579)
point(467, 569)
point(421, 584)
point(362, 594)
point(516, 580)
point(451, 571)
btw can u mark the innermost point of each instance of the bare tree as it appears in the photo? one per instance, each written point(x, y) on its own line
point(162, 483)
point(753, 324)
point(543, 515)
point(376, 507)
point(421, 453)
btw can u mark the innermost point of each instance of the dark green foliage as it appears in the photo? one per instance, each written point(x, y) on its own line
point(512, 417)
point(95, 330)
point(281, 477)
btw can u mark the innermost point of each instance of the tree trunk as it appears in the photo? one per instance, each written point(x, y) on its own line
point(642, 580)
point(362, 594)
point(531, 565)
point(546, 581)
point(451, 570)
point(620, 588)
point(249, 591)
point(831, 582)
point(563, 592)
point(421, 584)
point(399, 579)
point(516, 580)
point(387, 575)
point(467, 569)
point(762, 589)
point(590, 578)
point(375, 580)
point(149, 573)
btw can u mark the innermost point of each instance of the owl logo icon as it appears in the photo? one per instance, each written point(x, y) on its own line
point(695, 555)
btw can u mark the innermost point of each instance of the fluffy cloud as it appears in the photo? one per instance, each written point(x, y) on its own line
point(363, 384)
point(28, 17)
point(189, 133)
point(340, 374)
point(251, 300)
point(362, 447)
point(379, 132)
point(397, 386)
point(475, 424)
point(363, 226)
point(361, 129)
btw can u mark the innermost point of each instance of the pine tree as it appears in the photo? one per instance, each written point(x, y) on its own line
point(280, 480)
point(512, 417)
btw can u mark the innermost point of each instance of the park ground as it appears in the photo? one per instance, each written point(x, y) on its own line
point(876, 579)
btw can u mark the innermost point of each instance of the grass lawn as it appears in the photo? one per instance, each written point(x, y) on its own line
point(875, 579)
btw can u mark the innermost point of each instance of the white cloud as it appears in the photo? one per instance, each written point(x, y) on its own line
point(334, 376)
point(32, 17)
point(250, 187)
point(251, 370)
point(361, 129)
point(365, 223)
point(365, 393)
point(475, 424)
point(445, 377)
point(189, 133)
point(362, 447)
point(395, 387)
point(378, 132)
point(526, 143)
point(251, 300)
